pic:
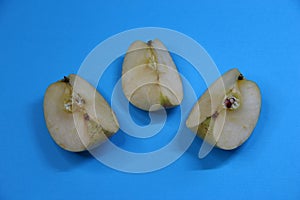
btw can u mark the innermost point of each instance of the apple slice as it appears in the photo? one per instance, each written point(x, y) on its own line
point(77, 116)
point(149, 76)
point(227, 112)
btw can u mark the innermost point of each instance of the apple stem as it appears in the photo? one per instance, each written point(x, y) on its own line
point(66, 79)
point(231, 103)
point(241, 77)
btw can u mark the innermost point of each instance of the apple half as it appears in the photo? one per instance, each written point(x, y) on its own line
point(227, 113)
point(150, 79)
point(77, 116)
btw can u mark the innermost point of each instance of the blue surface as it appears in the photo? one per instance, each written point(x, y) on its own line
point(42, 41)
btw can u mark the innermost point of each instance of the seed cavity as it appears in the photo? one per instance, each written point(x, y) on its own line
point(152, 62)
point(68, 106)
point(73, 101)
point(231, 102)
point(86, 117)
point(152, 59)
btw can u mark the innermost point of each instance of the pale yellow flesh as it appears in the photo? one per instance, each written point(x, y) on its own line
point(150, 77)
point(225, 128)
point(88, 124)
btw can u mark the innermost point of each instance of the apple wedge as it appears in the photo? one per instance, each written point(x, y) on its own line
point(77, 116)
point(149, 76)
point(227, 113)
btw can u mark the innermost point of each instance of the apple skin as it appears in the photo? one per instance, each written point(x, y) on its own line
point(221, 123)
point(77, 116)
point(150, 79)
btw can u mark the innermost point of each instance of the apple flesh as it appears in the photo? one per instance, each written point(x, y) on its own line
point(77, 116)
point(150, 79)
point(227, 113)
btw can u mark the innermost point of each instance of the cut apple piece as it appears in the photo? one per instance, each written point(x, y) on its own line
point(149, 76)
point(77, 116)
point(227, 113)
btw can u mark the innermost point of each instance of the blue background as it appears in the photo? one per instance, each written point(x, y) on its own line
point(42, 41)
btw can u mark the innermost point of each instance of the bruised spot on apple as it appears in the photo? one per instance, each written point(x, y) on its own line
point(77, 116)
point(227, 112)
point(150, 79)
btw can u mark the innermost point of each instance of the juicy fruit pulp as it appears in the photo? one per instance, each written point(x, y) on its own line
point(149, 76)
point(227, 112)
point(77, 116)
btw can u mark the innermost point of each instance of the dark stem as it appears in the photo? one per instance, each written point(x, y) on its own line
point(241, 77)
point(66, 79)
